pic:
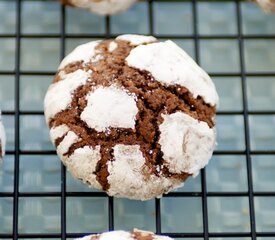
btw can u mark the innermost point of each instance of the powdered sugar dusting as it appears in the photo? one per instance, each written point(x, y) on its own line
point(141, 184)
point(186, 143)
point(84, 52)
point(104, 7)
point(116, 235)
point(136, 39)
point(85, 238)
point(82, 163)
point(112, 46)
point(67, 142)
point(130, 155)
point(2, 137)
point(161, 238)
point(59, 131)
point(59, 94)
point(109, 107)
point(170, 65)
point(128, 159)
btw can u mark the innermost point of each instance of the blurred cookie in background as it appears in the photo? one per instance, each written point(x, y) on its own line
point(267, 5)
point(101, 7)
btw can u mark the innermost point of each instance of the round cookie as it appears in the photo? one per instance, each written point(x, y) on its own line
point(2, 139)
point(267, 5)
point(101, 7)
point(123, 235)
point(132, 116)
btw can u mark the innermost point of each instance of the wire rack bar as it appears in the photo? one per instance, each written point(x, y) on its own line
point(213, 74)
point(171, 194)
point(173, 235)
point(17, 121)
point(219, 113)
point(63, 170)
point(246, 124)
point(160, 36)
point(52, 152)
point(203, 177)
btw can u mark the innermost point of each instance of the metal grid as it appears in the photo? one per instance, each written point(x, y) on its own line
point(203, 195)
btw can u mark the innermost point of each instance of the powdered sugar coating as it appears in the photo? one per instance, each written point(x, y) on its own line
point(116, 235)
point(129, 159)
point(2, 138)
point(186, 143)
point(58, 132)
point(98, 113)
point(136, 40)
point(112, 46)
point(136, 234)
point(170, 65)
point(267, 5)
point(59, 95)
point(104, 7)
point(89, 156)
point(109, 107)
point(85, 52)
point(85, 168)
point(86, 237)
point(66, 143)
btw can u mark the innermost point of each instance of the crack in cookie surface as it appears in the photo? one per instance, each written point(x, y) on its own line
point(152, 100)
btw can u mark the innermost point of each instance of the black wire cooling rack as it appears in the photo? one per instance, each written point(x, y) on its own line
point(204, 195)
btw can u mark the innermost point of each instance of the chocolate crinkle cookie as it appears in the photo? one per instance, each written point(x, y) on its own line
point(267, 5)
point(132, 116)
point(123, 235)
point(101, 7)
point(2, 139)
